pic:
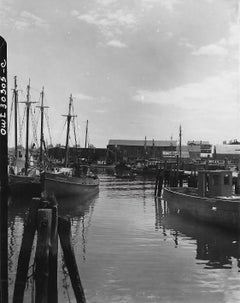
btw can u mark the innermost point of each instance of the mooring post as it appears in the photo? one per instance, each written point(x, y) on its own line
point(156, 183)
point(65, 235)
point(160, 183)
point(53, 255)
point(25, 251)
point(42, 255)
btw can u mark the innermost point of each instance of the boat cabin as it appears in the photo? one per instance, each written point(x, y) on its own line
point(212, 183)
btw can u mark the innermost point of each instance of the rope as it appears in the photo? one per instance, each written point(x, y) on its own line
point(11, 111)
point(74, 131)
point(21, 125)
point(48, 126)
point(63, 129)
point(34, 129)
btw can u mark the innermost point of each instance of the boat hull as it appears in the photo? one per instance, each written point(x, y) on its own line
point(19, 184)
point(62, 186)
point(223, 212)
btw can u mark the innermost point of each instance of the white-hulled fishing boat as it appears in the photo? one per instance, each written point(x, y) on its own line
point(70, 181)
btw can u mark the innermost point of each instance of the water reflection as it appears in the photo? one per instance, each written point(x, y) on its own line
point(129, 249)
point(216, 247)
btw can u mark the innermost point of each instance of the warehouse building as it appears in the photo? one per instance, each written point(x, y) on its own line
point(131, 150)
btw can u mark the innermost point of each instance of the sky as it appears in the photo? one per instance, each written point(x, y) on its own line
point(135, 68)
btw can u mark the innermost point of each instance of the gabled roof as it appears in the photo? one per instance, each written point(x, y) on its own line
point(193, 142)
point(157, 143)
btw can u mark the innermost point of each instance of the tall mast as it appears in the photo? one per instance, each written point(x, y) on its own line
point(15, 93)
point(145, 147)
point(41, 131)
point(69, 116)
point(180, 143)
point(86, 135)
point(28, 105)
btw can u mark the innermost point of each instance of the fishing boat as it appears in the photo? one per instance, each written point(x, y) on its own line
point(124, 171)
point(70, 180)
point(22, 177)
point(213, 201)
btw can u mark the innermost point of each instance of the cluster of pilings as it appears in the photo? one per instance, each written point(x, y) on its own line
point(43, 219)
point(173, 178)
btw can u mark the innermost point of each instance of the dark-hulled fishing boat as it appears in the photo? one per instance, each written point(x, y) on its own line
point(212, 202)
point(66, 182)
point(23, 179)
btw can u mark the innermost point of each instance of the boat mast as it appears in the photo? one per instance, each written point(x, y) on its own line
point(180, 143)
point(145, 147)
point(28, 105)
point(15, 93)
point(41, 131)
point(69, 116)
point(86, 135)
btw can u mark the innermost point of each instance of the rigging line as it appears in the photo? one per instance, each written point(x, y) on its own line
point(74, 125)
point(48, 126)
point(34, 129)
point(74, 131)
point(21, 125)
point(19, 121)
point(62, 130)
point(79, 135)
point(11, 112)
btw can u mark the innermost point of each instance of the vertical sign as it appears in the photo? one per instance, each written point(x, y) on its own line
point(3, 173)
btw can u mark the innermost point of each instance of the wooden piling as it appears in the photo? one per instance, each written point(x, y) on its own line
point(65, 235)
point(25, 251)
point(53, 255)
point(42, 255)
point(160, 184)
point(156, 183)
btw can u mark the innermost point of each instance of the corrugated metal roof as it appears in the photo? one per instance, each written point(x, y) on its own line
point(228, 149)
point(157, 143)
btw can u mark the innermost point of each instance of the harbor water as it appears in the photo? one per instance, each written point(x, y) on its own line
point(129, 249)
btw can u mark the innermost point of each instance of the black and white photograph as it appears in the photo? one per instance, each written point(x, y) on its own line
point(120, 151)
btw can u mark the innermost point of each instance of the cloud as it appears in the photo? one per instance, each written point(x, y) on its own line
point(224, 47)
point(167, 4)
point(117, 18)
point(28, 20)
point(100, 111)
point(211, 50)
point(81, 96)
point(106, 2)
point(110, 21)
point(116, 43)
point(211, 96)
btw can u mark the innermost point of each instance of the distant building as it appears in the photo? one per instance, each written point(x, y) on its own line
point(227, 151)
point(200, 149)
point(91, 154)
point(130, 150)
point(231, 142)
